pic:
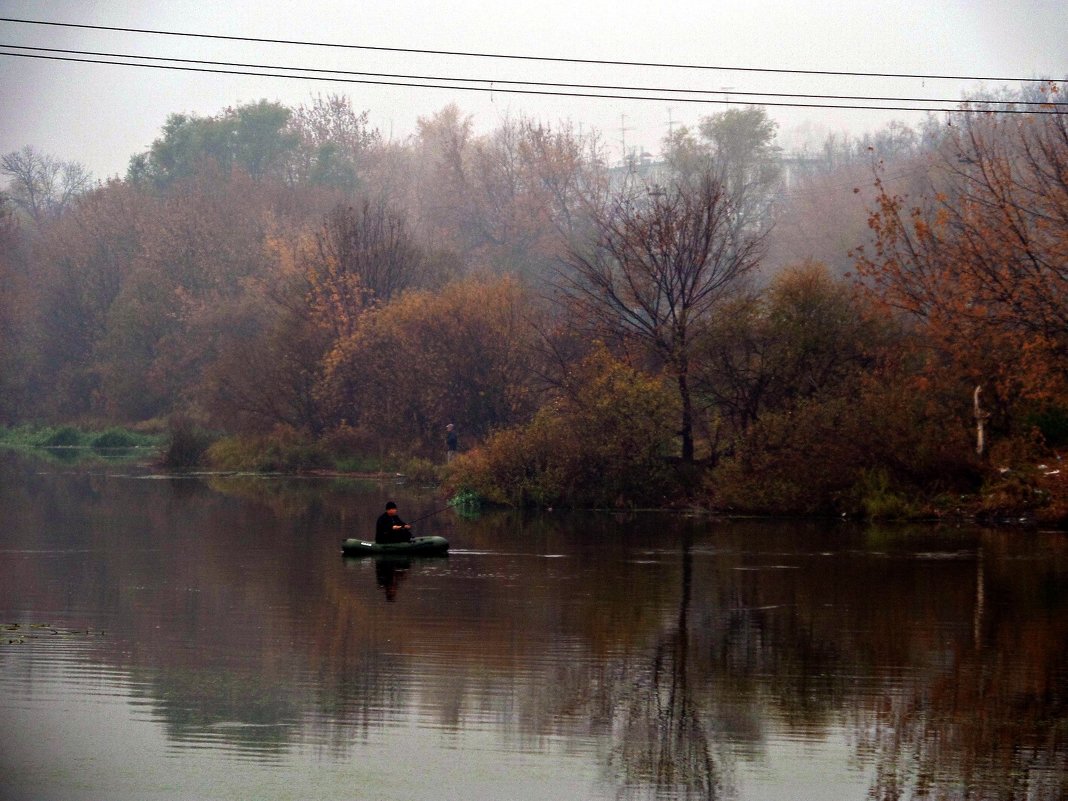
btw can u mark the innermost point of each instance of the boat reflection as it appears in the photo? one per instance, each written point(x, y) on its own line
point(690, 661)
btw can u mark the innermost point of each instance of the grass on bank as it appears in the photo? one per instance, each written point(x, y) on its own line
point(67, 436)
point(282, 451)
point(184, 445)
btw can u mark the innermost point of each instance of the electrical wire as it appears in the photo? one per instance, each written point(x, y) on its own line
point(493, 88)
point(496, 81)
point(564, 60)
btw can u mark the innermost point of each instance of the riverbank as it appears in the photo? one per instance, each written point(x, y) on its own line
point(1030, 496)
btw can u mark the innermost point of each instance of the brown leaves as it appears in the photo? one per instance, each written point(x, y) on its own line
point(982, 260)
point(430, 357)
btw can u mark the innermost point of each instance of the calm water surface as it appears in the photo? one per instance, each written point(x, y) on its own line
point(203, 638)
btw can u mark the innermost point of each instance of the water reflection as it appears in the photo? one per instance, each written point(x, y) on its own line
point(389, 572)
point(666, 747)
point(548, 656)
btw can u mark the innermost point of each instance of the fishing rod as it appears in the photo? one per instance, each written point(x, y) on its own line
point(435, 512)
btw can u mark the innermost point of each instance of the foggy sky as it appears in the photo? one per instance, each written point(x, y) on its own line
point(101, 115)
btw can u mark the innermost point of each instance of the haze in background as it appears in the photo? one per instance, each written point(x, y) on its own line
point(100, 115)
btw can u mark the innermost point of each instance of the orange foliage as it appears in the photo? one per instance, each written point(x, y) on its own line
point(981, 261)
point(429, 358)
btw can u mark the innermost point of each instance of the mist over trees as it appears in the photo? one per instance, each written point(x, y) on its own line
point(43, 186)
point(735, 325)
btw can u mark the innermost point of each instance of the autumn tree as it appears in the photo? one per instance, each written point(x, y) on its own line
point(567, 166)
point(41, 185)
point(201, 243)
point(275, 363)
point(658, 266)
point(269, 368)
point(440, 192)
point(75, 267)
point(427, 358)
point(601, 441)
point(804, 336)
point(980, 259)
point(13, 286)
point(528, 181)
point(821, 212)
point(365, 254)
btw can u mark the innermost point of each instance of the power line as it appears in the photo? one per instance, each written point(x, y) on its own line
point(519, 57)
point(493, 88)
point(495, 81)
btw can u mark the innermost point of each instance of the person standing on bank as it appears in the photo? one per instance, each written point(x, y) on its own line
point(450, 442)
point(390, 528)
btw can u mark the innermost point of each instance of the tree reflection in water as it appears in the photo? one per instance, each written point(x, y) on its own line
point(662, 746)
point(985, 718)
point(670, 660)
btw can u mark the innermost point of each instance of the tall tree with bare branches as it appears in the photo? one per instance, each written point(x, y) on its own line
point(43, 186)
point(657, 266)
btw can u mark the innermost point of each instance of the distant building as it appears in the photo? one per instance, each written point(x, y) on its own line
point(797, 166)
point(639, 166)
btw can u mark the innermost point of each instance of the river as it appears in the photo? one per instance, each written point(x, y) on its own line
point(202, 637)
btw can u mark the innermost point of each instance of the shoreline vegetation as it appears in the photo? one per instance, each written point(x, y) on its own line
point(874, 328)
point(1026, 498)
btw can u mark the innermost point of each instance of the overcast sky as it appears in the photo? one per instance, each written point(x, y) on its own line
point(100, 115)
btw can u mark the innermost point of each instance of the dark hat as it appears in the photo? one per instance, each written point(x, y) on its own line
point(390, 505)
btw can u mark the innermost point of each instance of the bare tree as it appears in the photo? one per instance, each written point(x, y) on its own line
point(659, 264)
point(372, 243)
point(41, 185)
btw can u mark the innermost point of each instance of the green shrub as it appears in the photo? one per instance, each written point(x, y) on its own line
point(465, 497)
point(64, 437)
point(878, 500)
point(116, 438)
point(25, 436)
point(466, 503)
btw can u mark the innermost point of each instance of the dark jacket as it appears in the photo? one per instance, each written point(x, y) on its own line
point(384, 531)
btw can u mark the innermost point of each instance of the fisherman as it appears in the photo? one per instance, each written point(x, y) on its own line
point(390, 528)
point(450, 442)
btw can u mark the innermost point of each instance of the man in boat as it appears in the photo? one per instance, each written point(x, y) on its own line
point(390, 528)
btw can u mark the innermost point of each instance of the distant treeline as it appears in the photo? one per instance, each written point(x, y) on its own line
point(877, 327)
